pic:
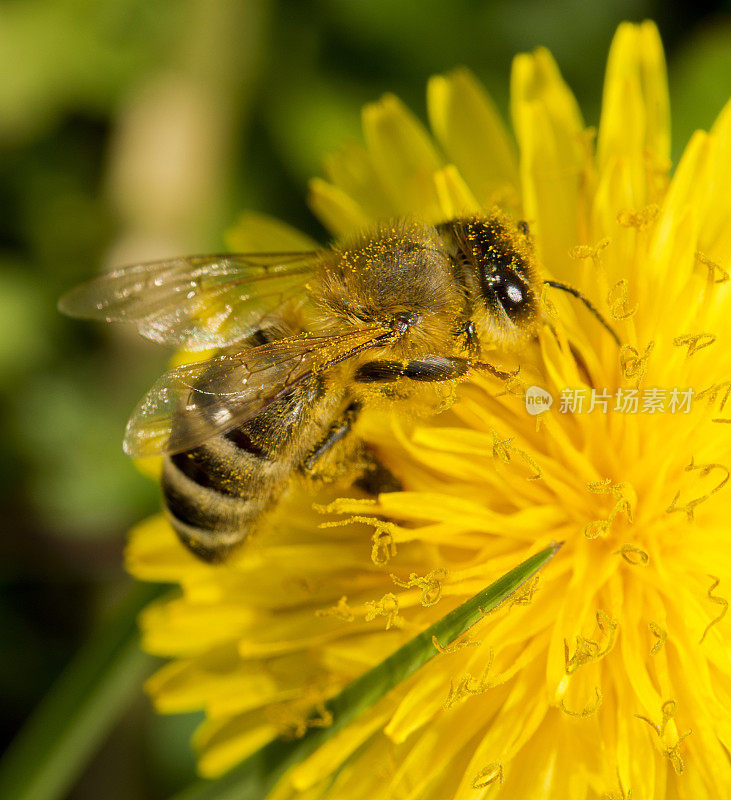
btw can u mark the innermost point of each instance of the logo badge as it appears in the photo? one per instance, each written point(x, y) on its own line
point(537, 400)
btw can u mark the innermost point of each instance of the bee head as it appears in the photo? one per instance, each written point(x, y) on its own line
point(498, 265)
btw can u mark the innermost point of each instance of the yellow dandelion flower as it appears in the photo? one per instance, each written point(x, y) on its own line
point(610, 676)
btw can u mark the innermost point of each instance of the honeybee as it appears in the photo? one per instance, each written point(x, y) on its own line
point(305, 340)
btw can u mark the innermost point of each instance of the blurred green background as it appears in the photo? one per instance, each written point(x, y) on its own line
point(137, 129)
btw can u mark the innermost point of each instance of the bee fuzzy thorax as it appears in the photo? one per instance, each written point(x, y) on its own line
point(399, 268)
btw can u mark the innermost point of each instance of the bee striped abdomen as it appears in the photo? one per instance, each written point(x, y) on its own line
point(216, 493)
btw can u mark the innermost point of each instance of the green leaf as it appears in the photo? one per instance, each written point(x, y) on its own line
point(72, 720)
point(257, 775)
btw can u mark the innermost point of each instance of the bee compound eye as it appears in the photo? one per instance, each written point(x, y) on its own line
point(511, 291)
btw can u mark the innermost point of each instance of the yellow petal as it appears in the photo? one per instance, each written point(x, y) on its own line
point(616, 193)
point(472, 134)
point(223, 743)
point(154, 553)
point(555, 158)
point(455, 197)
point(337, 211)
point(682, 205)
point(351, 170)
point(420, 704)
point(635, 120)
point(254, 232)
point(217, 681)
point(404, 157)
point(521, 712)
point(179, 627)
point(335, 751)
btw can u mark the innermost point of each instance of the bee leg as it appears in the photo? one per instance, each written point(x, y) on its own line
point(336, 433)
point(373, 477)
point(429, 369)
point(470, 340)
point(435, 368)
point(376, 477)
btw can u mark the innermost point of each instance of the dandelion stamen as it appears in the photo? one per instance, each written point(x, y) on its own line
point(386, 607)
point(501, 447)
point(705, 470)
point(641, 220)
point(617, 301)
point(661, 635)
point(488, 775)
point(383, 547)
point(622, 794)
point(454, 647)
point(714, 598)
point(430, 584)
point(344, 505)
point(711, 393)
point(524, 595)
point(673, 755)
point(538, 473)
point(588, 650)
point(585, 712)
point(714, 268)
point(633, 555)
point(468, 686)
point(597, 528)
point(342, 610)
point(633, 364)
point(323, 718)
point(694, 342)
point(668, 709)
point(580, 252)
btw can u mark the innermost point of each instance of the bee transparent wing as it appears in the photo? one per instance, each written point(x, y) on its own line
point(196, 302)
point(211, 397)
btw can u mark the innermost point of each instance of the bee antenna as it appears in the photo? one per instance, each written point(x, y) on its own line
point(564, 287)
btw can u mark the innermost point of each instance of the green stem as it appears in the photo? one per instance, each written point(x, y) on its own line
point(257, 775)
point(71, 721)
